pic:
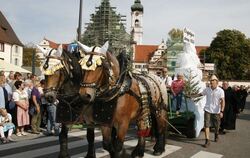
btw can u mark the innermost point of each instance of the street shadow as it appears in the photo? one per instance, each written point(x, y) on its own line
point(244, 116)
point(184, 139)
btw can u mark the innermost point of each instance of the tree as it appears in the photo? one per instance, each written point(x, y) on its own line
point(27, 56)
point(230, 51)
point(175, 35)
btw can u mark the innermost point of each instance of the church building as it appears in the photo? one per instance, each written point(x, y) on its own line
point(146, 58)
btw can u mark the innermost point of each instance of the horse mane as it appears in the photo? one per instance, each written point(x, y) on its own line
point(74, 66)
point(123, 61)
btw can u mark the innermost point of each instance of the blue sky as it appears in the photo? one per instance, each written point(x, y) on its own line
point(57, 20)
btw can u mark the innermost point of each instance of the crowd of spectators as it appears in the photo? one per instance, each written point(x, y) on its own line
point(23, 109)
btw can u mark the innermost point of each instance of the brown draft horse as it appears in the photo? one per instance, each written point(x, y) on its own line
point(121, 98)
point(62, 71)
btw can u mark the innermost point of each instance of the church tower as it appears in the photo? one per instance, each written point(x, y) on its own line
point(136, 22)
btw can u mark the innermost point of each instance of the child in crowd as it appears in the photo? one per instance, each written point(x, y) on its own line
point(6, 125)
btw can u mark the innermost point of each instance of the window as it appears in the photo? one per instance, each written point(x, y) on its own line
point(16, 61)
point(1, 47)
point(159, 63)
point(137, 24)
point(145, 66)
point(173, 63)
point(16, 49)
point(137, 66)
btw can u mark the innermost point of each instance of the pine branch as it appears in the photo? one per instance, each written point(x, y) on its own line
point(191, 86)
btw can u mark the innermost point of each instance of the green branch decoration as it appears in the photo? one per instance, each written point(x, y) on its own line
point(191, 87)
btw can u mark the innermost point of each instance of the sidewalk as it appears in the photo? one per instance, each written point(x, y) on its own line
point(31, 135)
point(28, 136)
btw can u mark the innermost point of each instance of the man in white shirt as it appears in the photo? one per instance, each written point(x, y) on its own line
point(215, 103)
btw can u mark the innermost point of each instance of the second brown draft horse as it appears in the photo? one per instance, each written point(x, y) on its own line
point(119, 97)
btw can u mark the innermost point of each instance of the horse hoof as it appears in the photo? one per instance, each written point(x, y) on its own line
point(88, 156)
point(136, 154)
point(63, 156)
point(157, 153)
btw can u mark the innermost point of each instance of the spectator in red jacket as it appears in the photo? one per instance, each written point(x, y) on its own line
point(177, 87)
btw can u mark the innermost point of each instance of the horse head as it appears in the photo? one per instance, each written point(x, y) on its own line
point(100, 69)
point(56, 69)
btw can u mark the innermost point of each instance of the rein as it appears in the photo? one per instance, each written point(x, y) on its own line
point(113, 91)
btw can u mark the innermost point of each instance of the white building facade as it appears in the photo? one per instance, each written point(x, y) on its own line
point(11, 48)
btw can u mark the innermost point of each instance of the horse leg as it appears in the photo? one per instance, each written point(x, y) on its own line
point(63, 139)
point(121, 133)
point(91, 143)
point(160, 134)
point(159, 147)
point(107, 140)
point(140, 148)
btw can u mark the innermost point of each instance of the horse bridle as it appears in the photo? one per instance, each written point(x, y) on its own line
point(108, 92)
point(94, 85)
point(46, 65)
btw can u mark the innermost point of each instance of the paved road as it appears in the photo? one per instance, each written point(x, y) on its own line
point(233, 144)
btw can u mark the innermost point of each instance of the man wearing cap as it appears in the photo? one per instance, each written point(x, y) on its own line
point(214, 108)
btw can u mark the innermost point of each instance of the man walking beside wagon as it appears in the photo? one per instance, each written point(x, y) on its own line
point(214, 108)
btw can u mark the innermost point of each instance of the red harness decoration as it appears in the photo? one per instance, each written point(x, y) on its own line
point(144, 133)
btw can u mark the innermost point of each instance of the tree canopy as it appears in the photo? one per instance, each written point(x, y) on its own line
point(27, 56)
point(230, 51)
point(175, 35)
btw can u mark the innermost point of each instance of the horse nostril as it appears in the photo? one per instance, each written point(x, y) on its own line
point(88, 96)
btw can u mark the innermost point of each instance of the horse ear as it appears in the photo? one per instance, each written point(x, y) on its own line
point(84, 47)
point(59, 51)
point(45, 53)
point(105, 47)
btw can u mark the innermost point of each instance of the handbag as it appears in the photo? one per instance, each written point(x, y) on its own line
point(32, 110)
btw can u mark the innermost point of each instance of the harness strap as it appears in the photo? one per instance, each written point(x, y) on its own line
point(133, 94)
point(46, 65)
